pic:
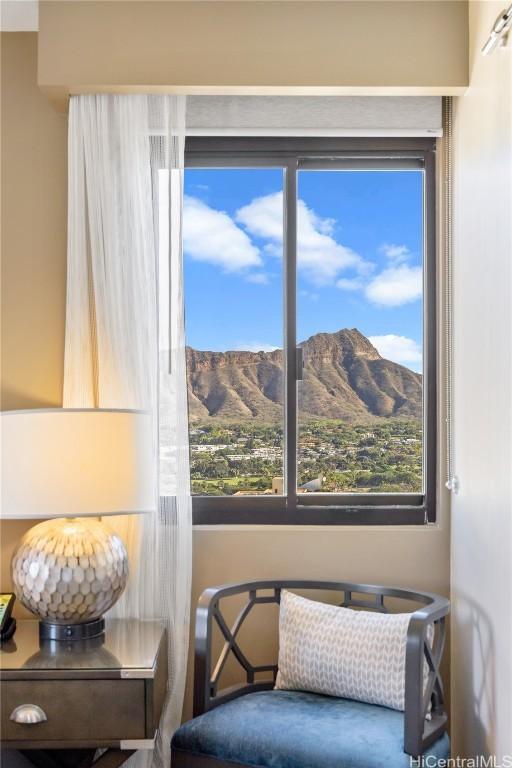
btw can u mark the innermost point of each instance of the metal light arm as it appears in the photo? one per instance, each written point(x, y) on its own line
point(499, 31)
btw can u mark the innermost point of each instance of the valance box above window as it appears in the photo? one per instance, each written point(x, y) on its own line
point(406, 116)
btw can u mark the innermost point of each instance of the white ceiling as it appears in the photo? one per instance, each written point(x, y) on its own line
point(19, 15)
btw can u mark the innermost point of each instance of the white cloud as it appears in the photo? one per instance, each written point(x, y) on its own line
point(263, 216)
point(350, 283)
point(395, 286)
point(259, 278)
point(319, 255)
point(310, 295)
point(395, 253)
point(325, 226)
point(213, 237)
point(399, 349)
point(274, 249)
point(255, 346)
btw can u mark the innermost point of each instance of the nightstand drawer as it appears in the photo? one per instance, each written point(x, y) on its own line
point(76, 710)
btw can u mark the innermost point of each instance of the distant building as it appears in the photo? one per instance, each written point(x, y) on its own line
point(208, 448)
point(313, 486)
point(277, 486)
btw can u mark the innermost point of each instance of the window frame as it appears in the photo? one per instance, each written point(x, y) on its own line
point(294, 154)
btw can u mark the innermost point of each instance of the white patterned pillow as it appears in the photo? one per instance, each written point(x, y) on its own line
point(341, 652)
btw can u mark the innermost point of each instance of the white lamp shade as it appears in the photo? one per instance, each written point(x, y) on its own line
point(73, 463)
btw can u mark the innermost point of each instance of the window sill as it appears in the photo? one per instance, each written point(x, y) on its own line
point(300, 529)
point(207, 514)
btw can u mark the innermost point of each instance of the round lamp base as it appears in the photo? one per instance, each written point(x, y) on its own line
point(71, 632)
point(69, 572)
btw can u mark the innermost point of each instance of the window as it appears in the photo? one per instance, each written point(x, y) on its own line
point(310, 324)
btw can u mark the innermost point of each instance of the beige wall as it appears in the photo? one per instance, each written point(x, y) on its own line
point(482, 511)
point(34, 146)
point(34, 162)
point(33, 232)
point(335, 47)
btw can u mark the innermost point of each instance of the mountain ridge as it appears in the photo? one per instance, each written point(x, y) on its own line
point(345, 377)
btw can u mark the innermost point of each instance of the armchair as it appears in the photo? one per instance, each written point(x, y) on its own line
point(250, 724)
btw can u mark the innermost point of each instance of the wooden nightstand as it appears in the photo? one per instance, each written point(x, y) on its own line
point(104, 694)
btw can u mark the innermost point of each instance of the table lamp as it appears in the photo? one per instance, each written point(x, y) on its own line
point(70, 467)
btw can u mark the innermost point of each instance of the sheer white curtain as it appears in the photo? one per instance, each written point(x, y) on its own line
point(125, 335)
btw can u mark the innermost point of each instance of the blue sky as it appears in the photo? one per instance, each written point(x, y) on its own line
point(359, 258)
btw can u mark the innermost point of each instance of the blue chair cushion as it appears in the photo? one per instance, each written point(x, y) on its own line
point(292, 729)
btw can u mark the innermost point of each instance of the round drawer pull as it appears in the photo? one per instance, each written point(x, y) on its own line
point(28, 714)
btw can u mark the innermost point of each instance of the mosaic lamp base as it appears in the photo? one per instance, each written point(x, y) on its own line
point(69, 572)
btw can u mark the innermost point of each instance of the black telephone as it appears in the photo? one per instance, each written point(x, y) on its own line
point(7, 622)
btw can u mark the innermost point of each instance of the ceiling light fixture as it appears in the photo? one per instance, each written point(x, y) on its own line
point(499, 31)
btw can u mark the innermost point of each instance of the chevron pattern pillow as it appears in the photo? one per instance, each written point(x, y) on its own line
point(341, 652)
